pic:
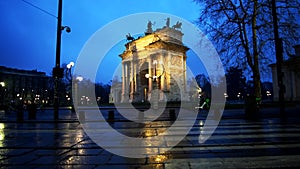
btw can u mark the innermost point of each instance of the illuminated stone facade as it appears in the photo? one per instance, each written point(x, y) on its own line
point(154, 61)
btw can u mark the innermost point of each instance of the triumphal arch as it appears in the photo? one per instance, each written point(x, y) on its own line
point(156, 62)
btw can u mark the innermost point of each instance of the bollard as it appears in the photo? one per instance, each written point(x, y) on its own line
point(82, 116)
point(32, 109)
point(111, 115)
point(73, 109)
point(20, 112)
point(250, 107)
point(172, 114)
point(31, 115)
point(20, 116)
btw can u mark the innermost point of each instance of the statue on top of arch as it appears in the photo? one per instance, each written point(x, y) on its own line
point(177, 25)
point(149, 27)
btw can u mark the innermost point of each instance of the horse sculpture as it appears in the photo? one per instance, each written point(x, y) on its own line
point(177, 25)
point(129, 37)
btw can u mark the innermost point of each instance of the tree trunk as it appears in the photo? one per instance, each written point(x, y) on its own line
point(255, 68)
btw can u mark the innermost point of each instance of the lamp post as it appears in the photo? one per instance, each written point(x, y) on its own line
point(68, 72)
point(69, 81)
point(57, 70)
point(2, 85)
point(154, 95)
point(155, 77)
point(70, 65)
point(75, 94)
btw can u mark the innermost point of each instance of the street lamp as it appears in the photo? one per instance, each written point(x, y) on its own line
point(57, 70)
point(199, 90)
point(154, 95)
point(155, 77)
point(69, 80)
point(239, 95)
point(2, 84)
point(268, 94)
point(79, 78)
point(68, 72)
point(70, 65)
point(75, 96)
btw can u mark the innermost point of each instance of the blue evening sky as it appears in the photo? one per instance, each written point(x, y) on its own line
point(28, 35)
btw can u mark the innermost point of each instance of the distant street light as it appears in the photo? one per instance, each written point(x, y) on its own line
point(75, 94)
point(70, 65)
point(69, 78)
point(268, 94)
point(79, 78)
point(199, 90)
point(2, 84)
point(239, 95)
point(69, 71)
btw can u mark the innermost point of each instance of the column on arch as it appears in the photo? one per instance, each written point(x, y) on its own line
point(168, 72)
point(123, 82)
point(136, 72)
point(184, 72)
point(132, 80)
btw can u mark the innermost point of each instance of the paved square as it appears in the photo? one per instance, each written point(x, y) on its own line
point(268, 142)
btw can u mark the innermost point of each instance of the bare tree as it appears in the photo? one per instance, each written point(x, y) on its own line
point(242, 32)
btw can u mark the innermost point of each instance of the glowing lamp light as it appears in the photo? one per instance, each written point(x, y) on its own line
point(2, 126)
point(79, 78)
point(70, 65)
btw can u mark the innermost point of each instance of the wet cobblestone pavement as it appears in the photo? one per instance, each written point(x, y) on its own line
point(269, 142)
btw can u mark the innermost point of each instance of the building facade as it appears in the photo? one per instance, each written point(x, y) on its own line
point(23, 85)
point(291, 77)
point(155, 62)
